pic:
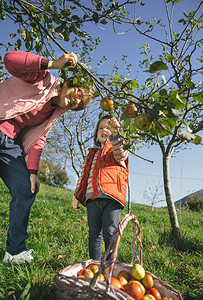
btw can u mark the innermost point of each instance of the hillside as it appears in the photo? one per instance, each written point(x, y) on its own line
point(192, 196)
point(59, 236)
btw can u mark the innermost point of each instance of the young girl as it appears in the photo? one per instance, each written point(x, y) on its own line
point(102, 184)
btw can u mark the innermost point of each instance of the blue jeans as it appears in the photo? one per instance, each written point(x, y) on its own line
point(14, 173)
point(103, 217)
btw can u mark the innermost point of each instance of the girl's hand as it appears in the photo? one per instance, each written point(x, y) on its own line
point(59, 64)
point(114, 125)
point(75, 204)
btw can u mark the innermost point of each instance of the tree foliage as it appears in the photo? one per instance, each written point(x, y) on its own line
point(52, 173)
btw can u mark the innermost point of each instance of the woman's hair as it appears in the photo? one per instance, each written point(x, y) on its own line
point(96, 141)
point(88, 93)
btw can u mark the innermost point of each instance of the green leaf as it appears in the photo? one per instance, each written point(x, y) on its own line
point(190, 84)
point(157, 66)
point(135, 85)
point(26, 293)
point(163, 92)
point(199, 98)
point(116, 77)
point(171, 122)
point(175, 100)
point(197, 140)
point(169, 57)
point(96, 94)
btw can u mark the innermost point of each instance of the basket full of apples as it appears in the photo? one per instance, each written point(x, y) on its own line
point(107, 279)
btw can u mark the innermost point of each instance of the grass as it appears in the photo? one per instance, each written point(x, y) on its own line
point(59, 235)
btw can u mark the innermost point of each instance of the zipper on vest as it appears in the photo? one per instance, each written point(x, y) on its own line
point(100, 176)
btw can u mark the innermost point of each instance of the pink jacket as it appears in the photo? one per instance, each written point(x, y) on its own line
point(28, 88)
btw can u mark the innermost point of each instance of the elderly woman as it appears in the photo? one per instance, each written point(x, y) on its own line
point(31, 102)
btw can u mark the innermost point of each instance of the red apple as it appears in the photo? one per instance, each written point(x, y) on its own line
point(154, 292)
point(134, 290)
point(81, 272)
point(125, 274)
point(141, 285)
point(106, 104)
point(130, 111)
point(122, 280)
point(116, 283)
point(93, 267)
point(89, 273)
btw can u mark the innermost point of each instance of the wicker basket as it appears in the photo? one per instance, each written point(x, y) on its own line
point(69, 286)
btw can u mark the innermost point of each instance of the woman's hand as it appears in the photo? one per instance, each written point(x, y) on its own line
point(59, 64)
point(114, 125)
point(35, 183)
point(75, 204)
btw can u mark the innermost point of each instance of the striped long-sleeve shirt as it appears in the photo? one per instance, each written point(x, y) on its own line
point(120, 156)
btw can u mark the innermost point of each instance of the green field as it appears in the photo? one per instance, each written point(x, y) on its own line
point(59, 235)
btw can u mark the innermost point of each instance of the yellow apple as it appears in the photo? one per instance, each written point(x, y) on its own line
point(148, 297)
point(148, 281)
point(137, 272)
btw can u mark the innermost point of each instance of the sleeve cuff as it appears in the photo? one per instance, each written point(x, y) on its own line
point(32, 172)
point(114, 138)
point(44, 64)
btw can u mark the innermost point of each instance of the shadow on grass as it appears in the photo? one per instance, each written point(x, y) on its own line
point(186, 244)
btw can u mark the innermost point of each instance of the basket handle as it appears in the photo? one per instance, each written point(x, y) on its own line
point(113, 247)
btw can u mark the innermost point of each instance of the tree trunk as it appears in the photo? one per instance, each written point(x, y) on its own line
point(169, 198)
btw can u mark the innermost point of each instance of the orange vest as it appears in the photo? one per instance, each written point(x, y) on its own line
point(108, 174)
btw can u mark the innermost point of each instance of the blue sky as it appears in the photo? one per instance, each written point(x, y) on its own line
point(187, 165)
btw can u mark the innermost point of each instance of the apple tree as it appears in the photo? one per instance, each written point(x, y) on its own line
point(169, 102)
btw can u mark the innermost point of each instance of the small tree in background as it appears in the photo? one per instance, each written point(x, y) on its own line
point(52, 173)
point(152, 194)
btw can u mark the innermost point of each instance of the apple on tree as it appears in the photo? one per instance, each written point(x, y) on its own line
point(141, 122)
point(106, 104)
point(130, 111)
